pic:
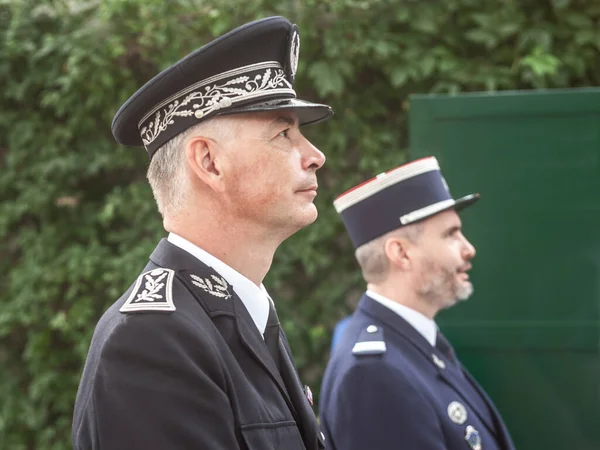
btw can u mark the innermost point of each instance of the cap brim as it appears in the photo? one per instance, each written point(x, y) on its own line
point(308, 113)
point(445, 205)
point(465, 201)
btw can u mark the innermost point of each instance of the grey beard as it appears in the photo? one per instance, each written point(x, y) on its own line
point(441, 288)
point(464, 291)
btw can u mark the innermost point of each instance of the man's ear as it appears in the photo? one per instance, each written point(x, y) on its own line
point(202, 155)
point(398, 253)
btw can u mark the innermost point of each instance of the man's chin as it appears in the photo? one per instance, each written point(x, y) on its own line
point(464, 292)
point(301, 219)
point(309, 214)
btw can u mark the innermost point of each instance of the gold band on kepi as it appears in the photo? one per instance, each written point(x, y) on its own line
point(407, 194)
point(249, 69)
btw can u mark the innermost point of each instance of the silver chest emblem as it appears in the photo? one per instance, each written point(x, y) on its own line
point(457, 413)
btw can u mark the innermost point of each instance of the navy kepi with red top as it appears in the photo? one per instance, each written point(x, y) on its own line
point(408, 194)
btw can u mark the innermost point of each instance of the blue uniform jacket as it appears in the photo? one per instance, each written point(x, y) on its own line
point(386, 388)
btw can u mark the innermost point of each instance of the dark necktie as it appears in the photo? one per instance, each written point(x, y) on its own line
point(272, 334)
point(442, 344)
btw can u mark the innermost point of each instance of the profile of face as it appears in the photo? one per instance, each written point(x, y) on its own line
point(442, 261)
point(270, 172)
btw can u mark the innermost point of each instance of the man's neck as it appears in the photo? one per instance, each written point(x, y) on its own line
point(399, 294)
point(241, 248)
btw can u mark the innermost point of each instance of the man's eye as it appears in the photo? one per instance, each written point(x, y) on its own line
point(284, 133)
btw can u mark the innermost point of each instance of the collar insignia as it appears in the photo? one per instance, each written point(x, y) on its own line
point(437, 361)
point(214, 285)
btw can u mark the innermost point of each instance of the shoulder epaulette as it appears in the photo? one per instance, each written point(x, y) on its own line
point(370, 342)
point(153, 291)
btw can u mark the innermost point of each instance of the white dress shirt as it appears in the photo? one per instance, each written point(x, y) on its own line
point(424, 325)
point(255, 298)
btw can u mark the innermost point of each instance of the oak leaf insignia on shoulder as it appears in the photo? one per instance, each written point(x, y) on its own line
point(153, 291)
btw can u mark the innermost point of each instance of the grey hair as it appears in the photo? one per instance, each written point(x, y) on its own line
point(167, 172)
point(371, 256)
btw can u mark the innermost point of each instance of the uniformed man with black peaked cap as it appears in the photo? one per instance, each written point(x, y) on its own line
point(192, 355)
point(393, 381)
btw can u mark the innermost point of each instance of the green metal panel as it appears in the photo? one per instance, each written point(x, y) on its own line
point(531, 332)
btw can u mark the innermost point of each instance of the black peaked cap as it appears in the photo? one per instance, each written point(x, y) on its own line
point(249, 69)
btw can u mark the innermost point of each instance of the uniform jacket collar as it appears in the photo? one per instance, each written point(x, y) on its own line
point(255, 298)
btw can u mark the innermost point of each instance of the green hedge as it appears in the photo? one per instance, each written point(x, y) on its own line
point(77, 219)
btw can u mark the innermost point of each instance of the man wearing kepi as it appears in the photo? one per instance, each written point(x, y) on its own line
point(192, 355)
point(393, 381)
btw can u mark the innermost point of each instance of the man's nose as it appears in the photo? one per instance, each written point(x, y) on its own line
point(312, 157)
point(468, 249)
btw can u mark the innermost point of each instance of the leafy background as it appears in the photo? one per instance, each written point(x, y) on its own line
point(77, 218)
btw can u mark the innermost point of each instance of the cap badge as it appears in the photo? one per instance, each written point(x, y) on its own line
point(445, 184)
point(457, 413)
point(473, 438)
point(294, 53)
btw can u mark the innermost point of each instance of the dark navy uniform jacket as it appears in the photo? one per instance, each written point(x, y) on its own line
point(387, 388)
point(177, 363)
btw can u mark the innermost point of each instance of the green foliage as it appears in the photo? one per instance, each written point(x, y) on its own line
point(77, 219)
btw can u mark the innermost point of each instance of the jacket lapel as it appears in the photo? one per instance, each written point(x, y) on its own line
point(500, 425)
point(452, 379)
point(255, 344)
point(307, 422)
point(431, 354)
point(218, 298)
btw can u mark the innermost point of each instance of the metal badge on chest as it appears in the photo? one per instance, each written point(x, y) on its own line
point(473, 438)
point(458, 414)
